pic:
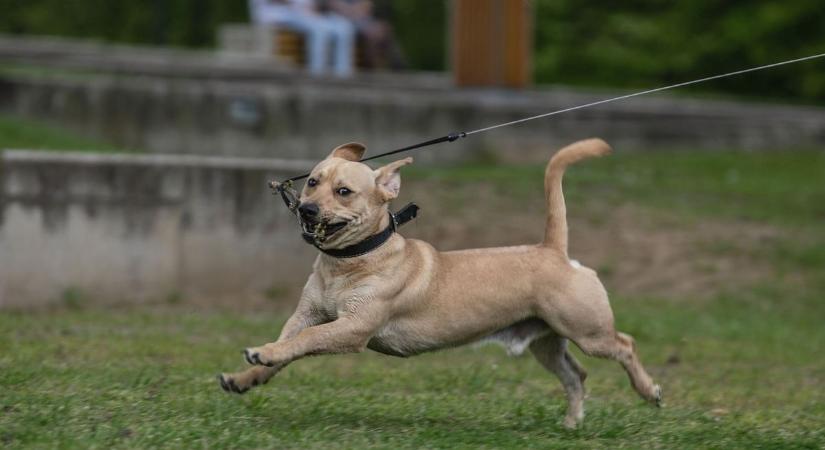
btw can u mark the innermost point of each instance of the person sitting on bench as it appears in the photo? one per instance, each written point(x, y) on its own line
point(322, 31)
point(381, 48)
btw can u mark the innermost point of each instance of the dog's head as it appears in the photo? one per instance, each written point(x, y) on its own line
point(344, 201)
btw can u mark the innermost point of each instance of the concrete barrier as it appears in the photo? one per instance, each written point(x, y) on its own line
point(131, 228)
point(199, 102)
point(301, 120)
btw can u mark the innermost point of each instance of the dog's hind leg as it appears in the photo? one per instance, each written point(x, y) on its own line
point(583, 315)
point(574, 363)
point(620, 347)
point(551, 352)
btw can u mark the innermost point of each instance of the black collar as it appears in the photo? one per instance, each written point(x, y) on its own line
point(369, 244)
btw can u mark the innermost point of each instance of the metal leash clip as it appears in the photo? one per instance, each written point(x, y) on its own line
point(287, 193)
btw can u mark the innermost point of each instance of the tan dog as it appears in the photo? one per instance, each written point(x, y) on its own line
point(405, 298)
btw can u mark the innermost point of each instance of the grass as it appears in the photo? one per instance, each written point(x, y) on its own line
point(743, 369)
point(779, 187)
point(17, 133)
point(740, 373)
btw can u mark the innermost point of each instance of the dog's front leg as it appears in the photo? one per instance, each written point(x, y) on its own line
point(305, 315)
point(240, 382)
point(349, 334)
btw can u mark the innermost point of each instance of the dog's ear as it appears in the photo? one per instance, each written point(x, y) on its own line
point(388, 178)
point(351, 152)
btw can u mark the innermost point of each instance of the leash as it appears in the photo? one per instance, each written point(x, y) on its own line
point(290, 196)
point(452, 137)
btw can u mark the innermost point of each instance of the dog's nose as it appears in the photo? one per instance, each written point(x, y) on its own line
point(308, 210)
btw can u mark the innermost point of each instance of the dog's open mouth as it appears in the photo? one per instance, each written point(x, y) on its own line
point(315, 232)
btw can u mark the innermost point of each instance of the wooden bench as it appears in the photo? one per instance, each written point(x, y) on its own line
point(284, 45)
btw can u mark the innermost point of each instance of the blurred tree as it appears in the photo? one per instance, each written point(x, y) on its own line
point(644, 43)
point(420, 26)
point(189, 23)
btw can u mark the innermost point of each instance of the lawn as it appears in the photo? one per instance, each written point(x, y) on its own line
point(741, 366)
point(736, 375)
point(18, 133)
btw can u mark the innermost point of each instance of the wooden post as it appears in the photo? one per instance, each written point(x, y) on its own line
point(491, 42)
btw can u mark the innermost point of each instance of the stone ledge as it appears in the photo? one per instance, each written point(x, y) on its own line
point(194, 161)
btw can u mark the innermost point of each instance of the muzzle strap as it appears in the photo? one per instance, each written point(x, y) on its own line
point(406, 214)
point(288, 194)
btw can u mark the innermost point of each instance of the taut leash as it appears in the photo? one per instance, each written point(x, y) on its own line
point(290, 195)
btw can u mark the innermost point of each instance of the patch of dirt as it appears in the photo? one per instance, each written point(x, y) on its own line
point(638, 254)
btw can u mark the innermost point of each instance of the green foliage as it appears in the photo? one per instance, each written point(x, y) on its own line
point(190, 23)
point(420, 27)
point(644, 43)
point(635, 43)
point(73, 298)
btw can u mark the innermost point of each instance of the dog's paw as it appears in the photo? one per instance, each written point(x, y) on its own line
point(228, 384)
point(571, 423)
point(658, 396)
point(257, 357)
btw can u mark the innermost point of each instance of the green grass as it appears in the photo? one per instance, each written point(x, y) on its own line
point(17, 133)
point(779, 187)
point(741, 369)
point(744, 373)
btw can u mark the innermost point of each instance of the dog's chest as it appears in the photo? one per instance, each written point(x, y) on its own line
point(330, 305)
point(341, 295)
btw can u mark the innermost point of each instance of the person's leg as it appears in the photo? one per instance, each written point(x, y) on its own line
point(316, 44)
point(342, 33)
point(312, 28)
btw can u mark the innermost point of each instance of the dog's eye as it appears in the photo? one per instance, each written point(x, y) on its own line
point(343, 192)
point(312, 182)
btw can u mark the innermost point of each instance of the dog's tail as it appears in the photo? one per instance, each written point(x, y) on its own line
point(555, 234)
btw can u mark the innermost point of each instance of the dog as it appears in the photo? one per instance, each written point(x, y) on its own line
point(404, 298)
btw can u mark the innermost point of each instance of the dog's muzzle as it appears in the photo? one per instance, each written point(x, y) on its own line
point(316, 231)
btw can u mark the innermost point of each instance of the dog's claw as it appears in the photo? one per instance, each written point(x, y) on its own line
point(254, 358)
point(235, 387)
point(658, 399)
point(222, 381)
point(248, 356)
point(229, 385)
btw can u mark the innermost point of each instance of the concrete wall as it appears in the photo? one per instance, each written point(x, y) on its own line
point(200, 102)
point(297, 119)
point(120, 228)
